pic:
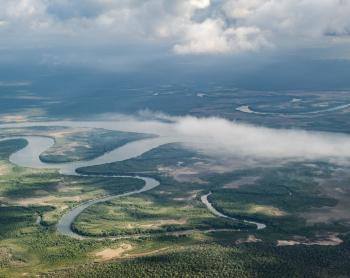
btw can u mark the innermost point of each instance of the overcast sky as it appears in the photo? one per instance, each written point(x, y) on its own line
point(148, 29)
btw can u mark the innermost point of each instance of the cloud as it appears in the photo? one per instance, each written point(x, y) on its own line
point(188, 26)
point(222, 138)
point(210, 36)
point(24, 8)
point(301, 20)
point(226, 138)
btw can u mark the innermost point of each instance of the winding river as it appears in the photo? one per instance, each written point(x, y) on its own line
point(29, 156)
point(204, 199)
point(249, 110)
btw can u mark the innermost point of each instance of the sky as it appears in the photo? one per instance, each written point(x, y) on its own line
point(262, 43)
point(128, 34)
point(182, 27)
point(267, 41)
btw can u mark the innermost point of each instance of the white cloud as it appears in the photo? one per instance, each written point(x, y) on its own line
point(299, 19)
point(229, 139)
point(204, 37)
point(25, 8)
point(226, 138)
point(188, 26)
point(210, 36)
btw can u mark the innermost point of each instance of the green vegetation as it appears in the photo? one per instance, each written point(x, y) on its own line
point(138, 215)
point(14, 220)
point(18, 182)
point(41, 187)
point(174, 206)
point(74, 144)
point(88, 144)
point(213, 260)
point(168, 155)
point(27, 196)
point(10, 146)
point(277, 195)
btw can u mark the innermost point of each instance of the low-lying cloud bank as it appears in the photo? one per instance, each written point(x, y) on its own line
point(223, 137)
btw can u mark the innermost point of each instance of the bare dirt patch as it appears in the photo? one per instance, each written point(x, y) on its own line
point(158, 224)
point(109, 253)
point(65, 132)
point(182, 174)
point(4, 169)
point(192, 196)
point(249, 239)
point(147, 253)
point(266, 210)
point(329, 240)
point(47, 200)
point(63, 188)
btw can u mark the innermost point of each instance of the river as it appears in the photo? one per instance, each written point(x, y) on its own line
point(29, 156)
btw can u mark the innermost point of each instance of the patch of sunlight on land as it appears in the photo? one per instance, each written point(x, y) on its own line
point(109, 253)
point(148, 253)
point(63, 188)
point(330, 240)
point(47, 200)
point(5, 169)
point(26, 115)
point(240, 182)
point(249, 239)
point(265, 210)
point(157, 224)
